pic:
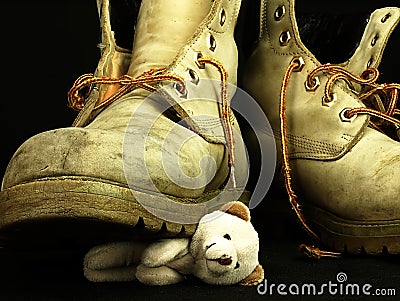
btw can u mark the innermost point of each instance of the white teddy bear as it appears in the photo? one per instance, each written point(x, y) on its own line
point(222, 251)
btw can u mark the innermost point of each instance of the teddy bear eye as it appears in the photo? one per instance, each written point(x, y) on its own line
point(227, 236)
point(237, 265)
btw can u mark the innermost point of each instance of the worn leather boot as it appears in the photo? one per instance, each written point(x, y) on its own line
point(155, 145)
point(332, 123)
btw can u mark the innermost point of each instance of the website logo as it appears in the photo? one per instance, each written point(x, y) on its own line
point(341, 286)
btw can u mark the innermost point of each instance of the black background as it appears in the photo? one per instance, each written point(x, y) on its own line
point(46, 45)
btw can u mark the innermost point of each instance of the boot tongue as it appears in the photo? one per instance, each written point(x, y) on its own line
point(162, 29)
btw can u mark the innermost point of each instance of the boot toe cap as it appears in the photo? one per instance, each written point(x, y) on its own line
point(65, 152)
point(118, 156)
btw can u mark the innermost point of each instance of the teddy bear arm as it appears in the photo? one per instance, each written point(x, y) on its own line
point(185, 265)
point(162, 252)
point(115, 261)
point(161, 275)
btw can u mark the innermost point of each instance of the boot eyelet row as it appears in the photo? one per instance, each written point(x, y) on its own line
point(373, 43)
point(285, 38)
point(343, 116)
point(280, 13)
point(376, 37)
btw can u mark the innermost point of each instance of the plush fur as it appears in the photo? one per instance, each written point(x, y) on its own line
point(223, 251)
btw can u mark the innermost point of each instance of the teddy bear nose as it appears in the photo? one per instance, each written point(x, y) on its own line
point(225, 260)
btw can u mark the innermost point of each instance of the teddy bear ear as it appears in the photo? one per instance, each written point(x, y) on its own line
point(237, 209)
point(256, 277)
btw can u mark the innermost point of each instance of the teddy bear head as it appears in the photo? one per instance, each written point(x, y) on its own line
point(225, 247)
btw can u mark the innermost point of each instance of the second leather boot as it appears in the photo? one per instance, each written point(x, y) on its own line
point(339, 170)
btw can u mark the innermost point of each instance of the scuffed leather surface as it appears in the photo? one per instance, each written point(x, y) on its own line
point(96, 151)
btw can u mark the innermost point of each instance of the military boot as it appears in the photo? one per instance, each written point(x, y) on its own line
point(337, 161)
point(155, 144)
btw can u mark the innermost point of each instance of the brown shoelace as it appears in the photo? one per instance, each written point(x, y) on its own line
point(127, 83)
point(387, 96)
point(149, 81)
point(380, 99)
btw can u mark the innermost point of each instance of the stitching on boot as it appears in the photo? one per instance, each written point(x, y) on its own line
point(314, 147)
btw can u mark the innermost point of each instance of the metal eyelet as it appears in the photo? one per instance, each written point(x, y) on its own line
point(197, 56)
point(374, 40)
point(222, 18)
point(329, 102)
point(212, 43)
point(280, 12)
point(299, 61)
point(284, 38)
point(316, 84)
point(194, 78)
point(182, 91)
point(343, 116)
point(386, 17)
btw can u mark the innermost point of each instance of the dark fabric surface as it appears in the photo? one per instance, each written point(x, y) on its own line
point(47, 44)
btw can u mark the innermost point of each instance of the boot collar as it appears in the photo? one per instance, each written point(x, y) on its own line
point(381, 24)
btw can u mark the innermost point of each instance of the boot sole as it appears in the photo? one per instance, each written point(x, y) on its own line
point(354, 237)
point(83, 211)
